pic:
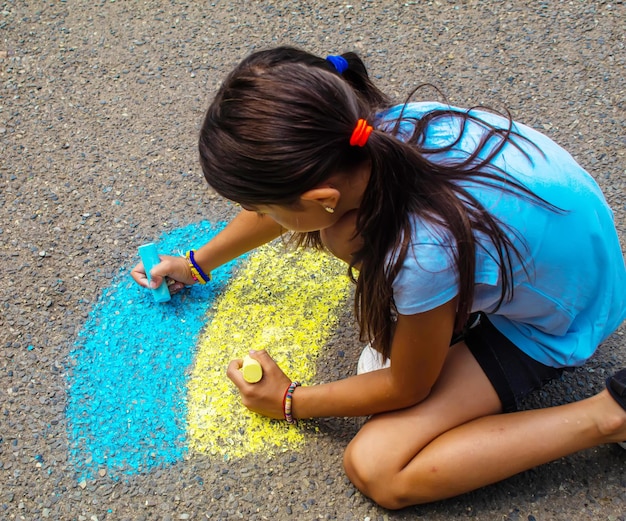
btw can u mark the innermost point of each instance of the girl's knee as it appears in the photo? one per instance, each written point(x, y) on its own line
point(372, 477)
point(355, 470)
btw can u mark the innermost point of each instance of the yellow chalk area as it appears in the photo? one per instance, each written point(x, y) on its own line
point(287, 302)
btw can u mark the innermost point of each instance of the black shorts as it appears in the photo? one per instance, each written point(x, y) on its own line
point(512, 372)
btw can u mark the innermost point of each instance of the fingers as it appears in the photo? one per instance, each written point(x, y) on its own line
point(233, 372)
point(140, 276)
point(160, 271)
point(268, 365)
point(264, 397)
point(138, 273)
point(175, 286)
point(262, 357)
point(174, 270)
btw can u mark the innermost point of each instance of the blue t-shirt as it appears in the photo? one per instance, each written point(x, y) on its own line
point(572, 293)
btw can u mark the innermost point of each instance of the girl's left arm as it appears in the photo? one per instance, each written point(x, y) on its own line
point(420, 345)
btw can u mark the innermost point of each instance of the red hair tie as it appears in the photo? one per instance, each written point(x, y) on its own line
point(361, 133)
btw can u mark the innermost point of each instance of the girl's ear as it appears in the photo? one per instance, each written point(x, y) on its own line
point(325, 196)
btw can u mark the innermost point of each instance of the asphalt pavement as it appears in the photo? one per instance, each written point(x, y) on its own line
point(100, 106)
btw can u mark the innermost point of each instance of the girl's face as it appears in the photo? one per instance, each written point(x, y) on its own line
point(308, 216)
point(341, 192)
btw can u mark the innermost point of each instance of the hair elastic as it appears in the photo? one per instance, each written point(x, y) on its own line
point(338, 62)
point(361, 133)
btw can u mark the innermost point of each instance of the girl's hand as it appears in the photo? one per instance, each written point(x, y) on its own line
point(266, 396)
point(174, 269)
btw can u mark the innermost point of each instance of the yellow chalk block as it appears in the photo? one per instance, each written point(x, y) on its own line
point(251, 369)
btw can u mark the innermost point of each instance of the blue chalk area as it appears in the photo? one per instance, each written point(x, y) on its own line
point(128, 377)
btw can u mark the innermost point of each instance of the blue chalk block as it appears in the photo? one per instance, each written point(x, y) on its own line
point(150, 258)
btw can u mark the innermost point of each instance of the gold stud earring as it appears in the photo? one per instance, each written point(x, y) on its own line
point(329, 209)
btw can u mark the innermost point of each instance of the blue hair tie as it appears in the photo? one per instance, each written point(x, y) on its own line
point(338, 62)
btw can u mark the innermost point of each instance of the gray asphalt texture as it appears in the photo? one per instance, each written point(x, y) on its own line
point(100, 105)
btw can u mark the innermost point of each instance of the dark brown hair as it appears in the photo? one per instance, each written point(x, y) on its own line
point(280, 125)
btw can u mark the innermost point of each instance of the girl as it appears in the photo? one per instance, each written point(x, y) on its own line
point(455, 224)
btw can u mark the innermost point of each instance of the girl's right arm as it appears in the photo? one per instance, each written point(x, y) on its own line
point(247, 231)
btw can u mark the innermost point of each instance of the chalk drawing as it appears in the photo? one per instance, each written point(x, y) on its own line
point(285, 302)
point(147, 381)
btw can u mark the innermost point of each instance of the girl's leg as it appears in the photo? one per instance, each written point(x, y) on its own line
point(456, 440)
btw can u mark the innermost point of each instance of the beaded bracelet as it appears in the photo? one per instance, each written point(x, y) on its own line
point(196, 271)
point(287, 402)
point(195, 275)
point(201, 272)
